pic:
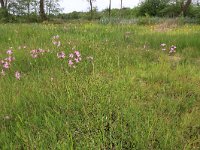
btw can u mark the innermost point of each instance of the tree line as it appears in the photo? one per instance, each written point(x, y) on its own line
point(162, 7)
point(44, 9)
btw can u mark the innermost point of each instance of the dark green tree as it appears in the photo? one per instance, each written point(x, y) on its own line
point(152, 7)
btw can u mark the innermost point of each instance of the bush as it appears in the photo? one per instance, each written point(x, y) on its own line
point(197, 14)
point(4, 15)
point(33, 18)
point(172, 10)
point(152, 7)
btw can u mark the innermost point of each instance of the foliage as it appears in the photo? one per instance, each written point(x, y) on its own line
point(28, 10)
point(4, 15)
point(172, 11)
point(152, 7)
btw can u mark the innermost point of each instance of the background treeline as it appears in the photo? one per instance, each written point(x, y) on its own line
point(40, 10)
point(28, 10)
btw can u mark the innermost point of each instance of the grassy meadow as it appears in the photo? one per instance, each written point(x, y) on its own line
point(125, 93)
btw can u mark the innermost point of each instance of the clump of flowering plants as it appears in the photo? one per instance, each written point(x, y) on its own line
point(6, 63)
point(17, 75)
point(56, 40)
point(38, 52)
point(71, 59)
point(61, 55)
point(171, 50)
point(74, 58)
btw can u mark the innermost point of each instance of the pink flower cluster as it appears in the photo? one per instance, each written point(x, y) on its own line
point(38, 52)
point(56, 40)
point(74, 58)
point(17, 75)
point(171, 50)
point(6, 63)
point(61, 55)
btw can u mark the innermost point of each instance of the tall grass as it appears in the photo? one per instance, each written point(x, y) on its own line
point(132, 95)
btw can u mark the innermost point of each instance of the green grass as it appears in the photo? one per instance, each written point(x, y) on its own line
point(128, 97)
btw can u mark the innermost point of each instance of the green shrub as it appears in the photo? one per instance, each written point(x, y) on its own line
point(4, 15)
point(152, 7)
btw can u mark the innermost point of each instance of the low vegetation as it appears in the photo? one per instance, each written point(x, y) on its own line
point(96, 86)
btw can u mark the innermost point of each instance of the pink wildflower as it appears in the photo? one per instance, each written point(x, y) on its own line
point(41, 51)
point(9, 59)
point(70, 63)
point(61, 55)
point(33, 51)
point(9, 52)
point(6, 65)
point(76, 60)
point(54, 42)
point(71, 55)
point(77, 53)
point(57, 37)
point(17, 75)
point(36, 53)
point(172, 49)
point(173, 46)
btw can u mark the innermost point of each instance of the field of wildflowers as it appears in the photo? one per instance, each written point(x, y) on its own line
point(92, 86)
